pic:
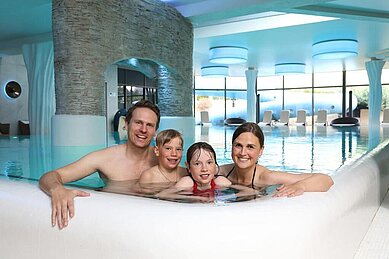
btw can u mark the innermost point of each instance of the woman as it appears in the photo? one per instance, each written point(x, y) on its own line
point(247, 148)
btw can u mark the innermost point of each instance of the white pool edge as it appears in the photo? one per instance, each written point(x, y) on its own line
point(315, 225)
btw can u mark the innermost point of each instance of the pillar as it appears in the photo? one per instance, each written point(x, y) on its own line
point(251, 79)
point(374, 70)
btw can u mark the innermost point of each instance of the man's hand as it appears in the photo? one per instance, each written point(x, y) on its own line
point(62, 202)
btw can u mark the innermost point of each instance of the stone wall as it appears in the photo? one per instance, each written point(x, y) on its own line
point(90, 35)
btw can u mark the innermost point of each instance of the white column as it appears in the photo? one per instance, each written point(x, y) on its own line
point(374, 70)
point(251, 78)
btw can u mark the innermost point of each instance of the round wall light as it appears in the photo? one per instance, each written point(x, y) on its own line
point(228, 55)
point(13, 89)
point(335, 49)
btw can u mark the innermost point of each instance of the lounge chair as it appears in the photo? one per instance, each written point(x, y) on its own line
point(321, 118)
point(284, 118)
point(234, 121)
point(267, 118)
point(204, 119)
point(4, 129)
point(385, 119)
point(301, 118)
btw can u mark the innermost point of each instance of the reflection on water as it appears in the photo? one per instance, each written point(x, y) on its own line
point(309, 149)
point(166, 191)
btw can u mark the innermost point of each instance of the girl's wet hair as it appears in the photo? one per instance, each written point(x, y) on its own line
point(166, 136)
point(197, 147)
point(252, 128)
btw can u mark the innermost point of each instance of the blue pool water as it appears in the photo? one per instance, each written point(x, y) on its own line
point(293, 149)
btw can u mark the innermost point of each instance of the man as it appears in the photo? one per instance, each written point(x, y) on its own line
point(119, 163)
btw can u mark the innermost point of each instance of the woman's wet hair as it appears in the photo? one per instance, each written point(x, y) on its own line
point(252, 128)
point(167, 135)
point(144, 104)
point(198, 146)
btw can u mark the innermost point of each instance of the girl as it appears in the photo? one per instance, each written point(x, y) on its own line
point(201, 181)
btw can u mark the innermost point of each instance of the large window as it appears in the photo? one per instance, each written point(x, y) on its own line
point(134, 86)
point(227, 97)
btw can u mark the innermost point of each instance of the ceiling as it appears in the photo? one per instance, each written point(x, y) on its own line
point(274, 31)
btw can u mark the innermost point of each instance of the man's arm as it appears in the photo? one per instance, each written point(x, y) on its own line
point(62, 199)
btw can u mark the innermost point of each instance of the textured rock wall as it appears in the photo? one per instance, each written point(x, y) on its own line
point(89, 35)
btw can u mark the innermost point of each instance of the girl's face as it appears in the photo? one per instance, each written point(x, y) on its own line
point(246, 150)
point(202, 167)
point(169, 154)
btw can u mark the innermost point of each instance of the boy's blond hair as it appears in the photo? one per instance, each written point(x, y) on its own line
point(166, 136)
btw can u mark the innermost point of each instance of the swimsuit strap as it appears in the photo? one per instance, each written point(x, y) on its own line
point(252, 180)
point(232, 169)
point(196, 190)
point(213, 184)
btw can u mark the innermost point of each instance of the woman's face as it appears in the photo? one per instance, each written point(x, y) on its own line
point(202, 167)
point(246, 150)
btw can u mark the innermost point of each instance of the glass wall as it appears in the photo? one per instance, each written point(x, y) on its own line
point(226, 97)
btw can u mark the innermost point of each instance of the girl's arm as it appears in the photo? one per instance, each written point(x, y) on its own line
point(222, 181)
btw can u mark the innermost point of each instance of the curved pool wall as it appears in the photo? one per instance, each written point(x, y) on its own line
point(315, 225)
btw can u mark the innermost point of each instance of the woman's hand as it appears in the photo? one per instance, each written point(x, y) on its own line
point(291, 190)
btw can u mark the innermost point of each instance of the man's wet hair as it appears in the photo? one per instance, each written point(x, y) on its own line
point(144, 104)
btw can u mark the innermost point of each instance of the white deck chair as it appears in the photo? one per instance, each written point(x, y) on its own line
point(284, 118)
point(321, 118)
point(204, 119)
point(301, 118)
point(267, 118)
point(385, 119)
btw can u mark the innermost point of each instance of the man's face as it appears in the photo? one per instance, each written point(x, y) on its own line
point(142, 127)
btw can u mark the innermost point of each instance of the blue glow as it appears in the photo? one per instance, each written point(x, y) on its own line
point(228, 55)
point(335, 49)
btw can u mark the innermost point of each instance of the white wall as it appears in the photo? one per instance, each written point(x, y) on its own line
point(12, 68)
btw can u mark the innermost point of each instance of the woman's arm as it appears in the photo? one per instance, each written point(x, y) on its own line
point(297, 184)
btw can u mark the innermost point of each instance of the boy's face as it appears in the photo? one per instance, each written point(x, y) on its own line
point(169, 154)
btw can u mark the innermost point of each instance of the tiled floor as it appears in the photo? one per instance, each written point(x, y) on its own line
point(375, 245)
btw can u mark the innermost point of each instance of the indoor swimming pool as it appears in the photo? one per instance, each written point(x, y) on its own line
point(107, 225)
point(292, 149)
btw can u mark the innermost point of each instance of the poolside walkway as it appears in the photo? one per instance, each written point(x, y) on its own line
point(376, 242)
